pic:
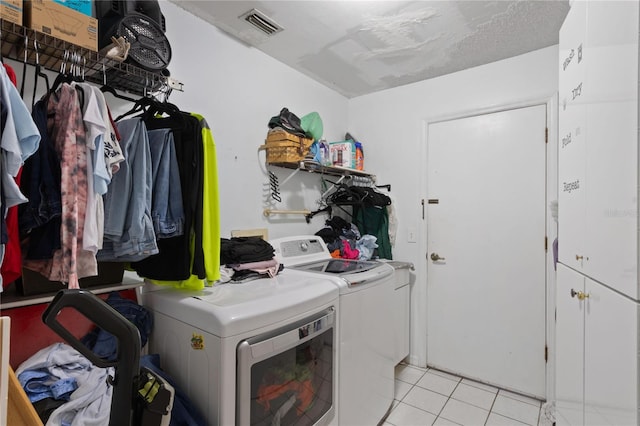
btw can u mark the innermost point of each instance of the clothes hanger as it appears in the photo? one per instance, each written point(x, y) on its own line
point(106, 88)
point(75, 73)
point(139, 105)
point(38, 73)
point(24, 66)
point(62, 77)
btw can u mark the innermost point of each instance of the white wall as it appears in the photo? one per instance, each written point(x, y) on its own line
point(391, 125)
point(238, 89)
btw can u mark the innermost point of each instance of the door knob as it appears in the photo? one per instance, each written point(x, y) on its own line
point(435, 257)
point(581, 295)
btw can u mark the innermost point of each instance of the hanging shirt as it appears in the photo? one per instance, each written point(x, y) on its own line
point(206, 219)
point(11, 256)
point(40, 218)
point(19, 139)
point(95, 129)
point(67, 132)
point(112, 150)
point(210, 205)
point(102, 172)
point(174, 260)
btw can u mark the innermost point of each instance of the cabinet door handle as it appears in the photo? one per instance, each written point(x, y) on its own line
point(579, 257)
point(581, 295)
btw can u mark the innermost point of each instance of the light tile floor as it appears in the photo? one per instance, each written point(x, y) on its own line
point(425, 396)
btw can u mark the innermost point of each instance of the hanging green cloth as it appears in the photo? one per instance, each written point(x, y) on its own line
point(374, 220)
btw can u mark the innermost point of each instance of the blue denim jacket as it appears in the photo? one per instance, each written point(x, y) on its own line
point(166, 210)
point(128, 229)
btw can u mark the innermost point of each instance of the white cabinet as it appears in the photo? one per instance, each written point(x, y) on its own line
point(598, 149)
point(597, 316)
point(401, 307)
point(401, 302)
point(571, 137)
point(597, 353)
point(569, 348)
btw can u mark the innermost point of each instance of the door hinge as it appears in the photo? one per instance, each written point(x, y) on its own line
point(546, 135)
point(546, 244)
point(546, 353)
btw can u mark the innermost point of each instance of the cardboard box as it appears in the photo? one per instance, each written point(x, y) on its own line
point(49, 17)
point(343, 154)
point(11, 10)
point(82, 6)
point(34, 283)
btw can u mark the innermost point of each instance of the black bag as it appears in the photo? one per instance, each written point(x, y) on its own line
point(288, 121)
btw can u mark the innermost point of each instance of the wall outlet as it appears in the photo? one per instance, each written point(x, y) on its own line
point(412, 235)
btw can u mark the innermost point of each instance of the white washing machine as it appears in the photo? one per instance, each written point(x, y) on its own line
point(262, 352)
point(366, 349)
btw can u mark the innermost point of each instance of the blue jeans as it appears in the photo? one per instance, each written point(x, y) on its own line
point(166, 210)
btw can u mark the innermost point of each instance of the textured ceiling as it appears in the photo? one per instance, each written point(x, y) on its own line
point(359, 47)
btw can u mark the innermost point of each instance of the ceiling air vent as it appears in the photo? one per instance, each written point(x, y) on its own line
point(261, 22)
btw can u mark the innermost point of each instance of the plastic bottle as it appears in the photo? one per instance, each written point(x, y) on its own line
point(359, 156)
point(325, 155)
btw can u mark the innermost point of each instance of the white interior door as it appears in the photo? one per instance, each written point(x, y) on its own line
point(486, 295)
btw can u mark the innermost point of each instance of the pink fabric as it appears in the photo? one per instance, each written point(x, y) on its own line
point(348, 252)
point(254, 265)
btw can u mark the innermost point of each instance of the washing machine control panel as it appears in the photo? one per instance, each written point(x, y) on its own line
point(301, 248)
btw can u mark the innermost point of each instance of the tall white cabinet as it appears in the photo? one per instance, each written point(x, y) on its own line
point(597, 310)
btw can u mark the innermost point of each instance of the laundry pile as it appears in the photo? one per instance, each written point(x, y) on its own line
point(344, 241)
point(247, 258)
point(65, 387)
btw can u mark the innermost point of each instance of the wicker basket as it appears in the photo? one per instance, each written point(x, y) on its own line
point(284, 147)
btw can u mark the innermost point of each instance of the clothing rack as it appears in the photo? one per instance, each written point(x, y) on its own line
point(52, 51)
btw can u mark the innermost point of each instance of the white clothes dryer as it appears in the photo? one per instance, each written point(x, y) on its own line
point(366, 349)
point(257, 353)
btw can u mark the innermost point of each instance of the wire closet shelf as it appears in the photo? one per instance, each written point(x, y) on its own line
point(24, 44)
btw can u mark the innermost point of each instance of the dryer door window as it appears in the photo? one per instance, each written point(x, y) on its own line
point(287, 377)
